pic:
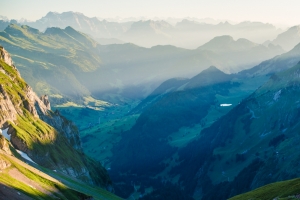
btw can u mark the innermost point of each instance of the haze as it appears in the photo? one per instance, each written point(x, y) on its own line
point(269, 11)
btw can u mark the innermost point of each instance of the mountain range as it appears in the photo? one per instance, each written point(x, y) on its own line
point(69, 64)
point(155, 122)
point(187, 33)
point(186, 137)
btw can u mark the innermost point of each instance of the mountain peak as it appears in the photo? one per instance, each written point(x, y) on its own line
point(209, 76)
point(54, 31)
point(211, 69)
point(5, 56)
point(226, 42)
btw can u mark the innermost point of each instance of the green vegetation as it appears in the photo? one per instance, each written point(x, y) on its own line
point(99, 140)
point(14, 176)
point(35, 183)
point(280, 191)
point(50, 61)
point(47, 146)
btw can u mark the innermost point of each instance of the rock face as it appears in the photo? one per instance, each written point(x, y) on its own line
point(4, 145)
point(48, 138)
point(4, 55)
point(46, 102)
point(4, 164)
point(7, 109)
point(66, 127)
point(5, 148)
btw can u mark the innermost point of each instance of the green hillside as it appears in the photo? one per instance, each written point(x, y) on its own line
point(49, 139)
point(280, 190)
point(51, 61)
point(253, 145)
point(21, 180)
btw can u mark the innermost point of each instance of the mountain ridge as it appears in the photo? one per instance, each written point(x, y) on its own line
point(106, 29)
point(24, 116)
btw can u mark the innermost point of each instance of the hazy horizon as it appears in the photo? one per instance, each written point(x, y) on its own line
point(278, 13)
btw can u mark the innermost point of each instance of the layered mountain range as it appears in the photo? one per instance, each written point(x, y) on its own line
point(69, 64)
point(231, 127)
point(187, 33)
point(215, 132)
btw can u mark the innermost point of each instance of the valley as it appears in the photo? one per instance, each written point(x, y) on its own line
point(159, 108)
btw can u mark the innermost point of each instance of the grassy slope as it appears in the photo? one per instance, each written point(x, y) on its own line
point(54, 185)
point(281, 190)
point(44, 143)
point(59, 55)
point(39, 137)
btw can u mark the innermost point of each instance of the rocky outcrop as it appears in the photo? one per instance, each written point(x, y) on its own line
point(65, 127)
point(48, 138)
point(7, 109)
point(4, 55)
point(4, 145)
point(46, 101)
point(4, 164)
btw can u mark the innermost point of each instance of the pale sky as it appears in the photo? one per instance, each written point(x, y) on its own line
point(268, 11)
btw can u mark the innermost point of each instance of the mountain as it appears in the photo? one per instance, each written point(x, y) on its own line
point(91, 26)
point(4, 23)
point(182, 125)
point(156, 32)
point(276, 64)
point(227, 43)
point(31, 131)
point(282, 189)
point(69, 65)
point(189, 33)
point(193, 34)
point(51, 61)
point(250, 146)
point(241, 49)
point(288, 39)
point(170, 118)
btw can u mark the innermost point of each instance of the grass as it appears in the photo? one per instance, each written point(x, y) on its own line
point(38, 139)
point(61, 190)
point(42, 55)
point(279, 190)
point(99, 140)
point(60, 186)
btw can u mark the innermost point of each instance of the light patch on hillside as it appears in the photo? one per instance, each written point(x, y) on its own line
point(25, 156)
point(5, 134)
point(225, 104)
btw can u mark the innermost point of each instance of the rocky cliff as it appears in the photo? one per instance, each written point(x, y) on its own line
point(48, 138)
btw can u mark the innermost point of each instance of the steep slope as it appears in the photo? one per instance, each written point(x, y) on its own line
point(281, 190)
point(45, 136)
point(171, 117)
point(171, 105)
point(19, 180)
point(288, 39)
point(254, 144)
point(52, 61)
point(276, 64)
point(241, 51)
